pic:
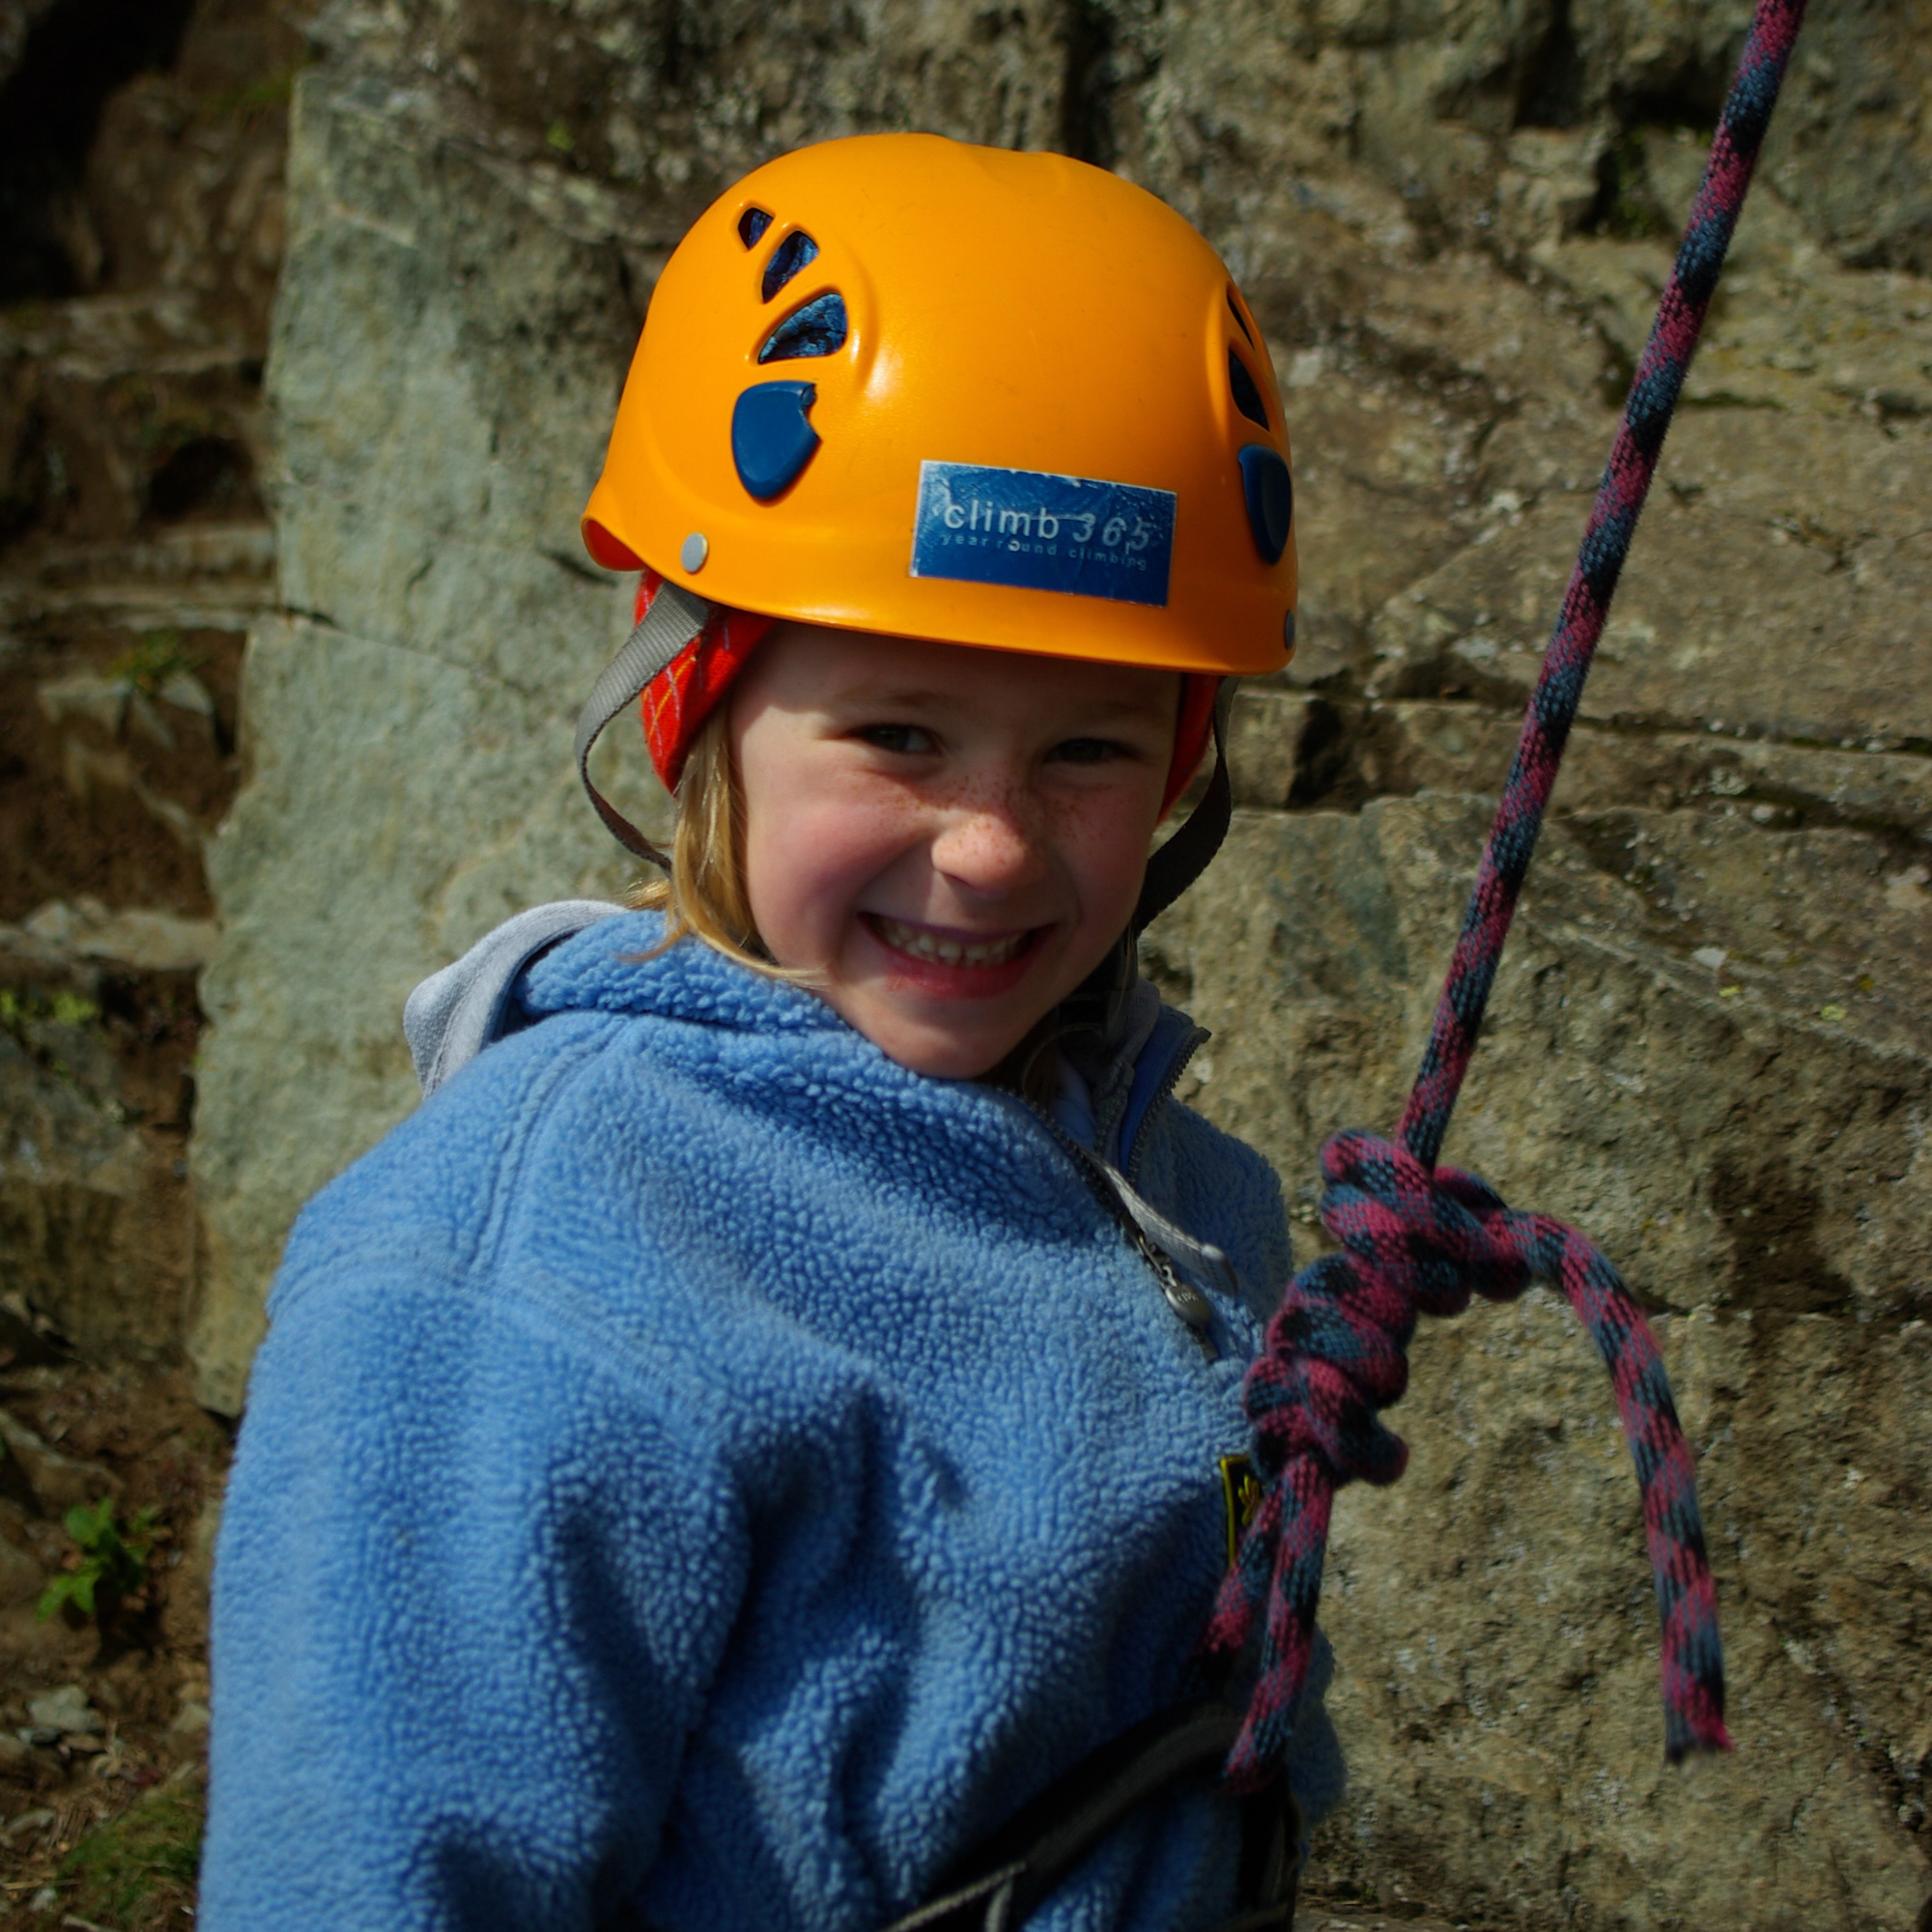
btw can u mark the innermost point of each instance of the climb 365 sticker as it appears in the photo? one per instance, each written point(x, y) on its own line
point(1043, 532)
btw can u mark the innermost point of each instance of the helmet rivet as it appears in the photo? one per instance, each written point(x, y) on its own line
point(1288, 633)
point(696, 548)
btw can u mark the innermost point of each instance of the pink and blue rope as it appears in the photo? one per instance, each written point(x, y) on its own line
point(1417, 1238)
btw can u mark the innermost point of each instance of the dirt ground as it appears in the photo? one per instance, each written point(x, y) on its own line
point(101, 1787)
point(1319, 1917)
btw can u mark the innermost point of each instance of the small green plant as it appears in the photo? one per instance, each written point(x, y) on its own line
point(112, 1561)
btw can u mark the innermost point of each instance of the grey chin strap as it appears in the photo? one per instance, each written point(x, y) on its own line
point(1188, 854)
point(676, 617)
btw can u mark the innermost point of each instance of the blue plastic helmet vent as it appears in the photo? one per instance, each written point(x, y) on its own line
point(752, 225)
point(771, 440)
point(1234, 309)
point(818, 328)
point(1270, 494)
point(792, 254)
point(1247, 392)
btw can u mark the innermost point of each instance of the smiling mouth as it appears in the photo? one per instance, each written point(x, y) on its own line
point(920, 943)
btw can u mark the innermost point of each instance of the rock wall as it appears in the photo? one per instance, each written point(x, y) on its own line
point(140, 235)
point(1712, 1044)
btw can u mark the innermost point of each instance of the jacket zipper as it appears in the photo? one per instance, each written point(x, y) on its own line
point(1164, 1092)
point(1192, 1308)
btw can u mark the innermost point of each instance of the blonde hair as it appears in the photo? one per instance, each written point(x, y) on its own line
point(704, 898)
point(705, 893)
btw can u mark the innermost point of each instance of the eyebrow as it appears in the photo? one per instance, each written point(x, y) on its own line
point(910, 697)
point(914, 698)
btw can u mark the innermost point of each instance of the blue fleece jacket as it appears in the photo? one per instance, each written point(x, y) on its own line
point(702, 1475)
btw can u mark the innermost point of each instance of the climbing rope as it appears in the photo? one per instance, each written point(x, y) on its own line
point(1417, 1238)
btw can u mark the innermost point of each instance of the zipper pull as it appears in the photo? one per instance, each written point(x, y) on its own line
point(1182, 1296)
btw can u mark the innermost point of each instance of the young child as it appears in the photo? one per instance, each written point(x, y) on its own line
point(772, 1414)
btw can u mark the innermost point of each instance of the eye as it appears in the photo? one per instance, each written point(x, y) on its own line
point(1087, 752)
point(907, 740)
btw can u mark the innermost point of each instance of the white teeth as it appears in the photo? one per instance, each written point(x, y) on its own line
point(948, 952)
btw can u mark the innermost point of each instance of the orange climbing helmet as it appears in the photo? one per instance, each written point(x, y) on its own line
point(903, 385)
point(896, 384)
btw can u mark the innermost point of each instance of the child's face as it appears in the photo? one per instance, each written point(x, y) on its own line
point(952, 837)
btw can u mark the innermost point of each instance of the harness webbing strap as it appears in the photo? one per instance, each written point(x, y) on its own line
point(1418, 1239)
point(1002, 1880)
point(676, 617)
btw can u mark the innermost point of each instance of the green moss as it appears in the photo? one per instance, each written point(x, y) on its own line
point(141, 1866)
point(156, 659)
point(269, 96)
point(18, 1009)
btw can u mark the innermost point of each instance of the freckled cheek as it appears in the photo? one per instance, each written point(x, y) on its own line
point(1103, 838)
point(810, 857)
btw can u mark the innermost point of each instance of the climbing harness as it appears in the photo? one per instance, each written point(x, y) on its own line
point(1000, 1881)
point(1420, 1239)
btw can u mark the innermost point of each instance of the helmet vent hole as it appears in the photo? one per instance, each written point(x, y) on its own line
point(792, 254)
point(1247, 393)
point(752, 225)
point(1234, 309)
point(818, 328)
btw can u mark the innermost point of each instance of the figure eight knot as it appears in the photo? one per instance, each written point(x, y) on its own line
point(1416, 1241)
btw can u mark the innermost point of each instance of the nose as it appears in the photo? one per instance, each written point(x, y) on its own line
point(991, 846)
